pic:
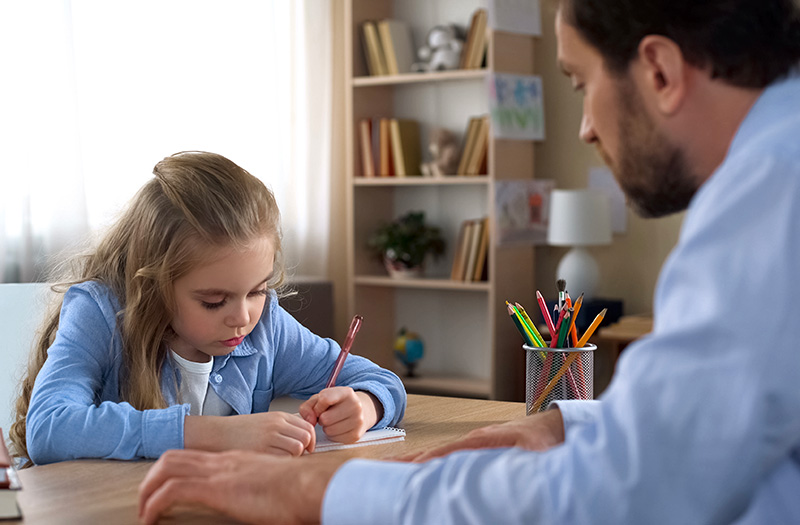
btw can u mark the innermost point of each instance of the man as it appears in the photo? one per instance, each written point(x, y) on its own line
point(692, 104)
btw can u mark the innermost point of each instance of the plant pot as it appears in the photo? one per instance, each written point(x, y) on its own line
point(398, 270)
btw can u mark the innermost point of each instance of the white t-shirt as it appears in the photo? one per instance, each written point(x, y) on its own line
point(194, 388)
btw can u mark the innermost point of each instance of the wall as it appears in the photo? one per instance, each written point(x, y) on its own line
point(629, 267)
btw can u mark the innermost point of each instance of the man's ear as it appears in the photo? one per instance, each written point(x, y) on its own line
point(664, 71)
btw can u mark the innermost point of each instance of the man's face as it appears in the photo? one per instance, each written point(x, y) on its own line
point(651, 169)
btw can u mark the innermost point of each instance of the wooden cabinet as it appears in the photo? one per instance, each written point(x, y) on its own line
point(471, 346)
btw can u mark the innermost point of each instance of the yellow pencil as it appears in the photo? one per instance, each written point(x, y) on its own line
point(515, 314)
point(530, 323)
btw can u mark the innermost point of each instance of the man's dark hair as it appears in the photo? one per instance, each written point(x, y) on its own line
point(747, 43)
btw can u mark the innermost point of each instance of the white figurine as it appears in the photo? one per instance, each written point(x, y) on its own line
point(442, 49)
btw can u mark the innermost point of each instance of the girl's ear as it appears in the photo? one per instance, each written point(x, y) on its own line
point(665, 72)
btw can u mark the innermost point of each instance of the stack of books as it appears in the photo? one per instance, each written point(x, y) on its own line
point(390, 147)
point(387, 45)
point(474, 50)
point(469, 263)
point(9, 484)
point(475, 149)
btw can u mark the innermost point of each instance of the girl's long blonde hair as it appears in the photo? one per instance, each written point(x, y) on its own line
point(196, 203)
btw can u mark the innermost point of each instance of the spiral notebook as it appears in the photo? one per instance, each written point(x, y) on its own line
point(379, 436)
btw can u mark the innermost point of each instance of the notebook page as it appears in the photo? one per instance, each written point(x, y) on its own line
point(377, 436)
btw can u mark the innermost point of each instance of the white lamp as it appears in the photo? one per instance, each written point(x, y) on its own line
point(579, 218)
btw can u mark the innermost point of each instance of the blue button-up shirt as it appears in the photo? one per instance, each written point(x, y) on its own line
point(701, 423)
point(76, 411)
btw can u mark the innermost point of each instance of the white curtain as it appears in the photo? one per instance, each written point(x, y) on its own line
point(95, 92)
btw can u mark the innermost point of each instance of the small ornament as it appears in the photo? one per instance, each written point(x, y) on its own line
point(409, 349)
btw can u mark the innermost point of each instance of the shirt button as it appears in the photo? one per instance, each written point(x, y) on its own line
point(217, 378)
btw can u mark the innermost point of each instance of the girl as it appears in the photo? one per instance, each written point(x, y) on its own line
point(174, 321)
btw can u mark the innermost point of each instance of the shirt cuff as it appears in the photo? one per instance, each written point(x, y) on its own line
point(363, 492)
point(575, 412)
point(162, 429)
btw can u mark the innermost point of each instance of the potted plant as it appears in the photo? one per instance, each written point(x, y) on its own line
point(403, 244)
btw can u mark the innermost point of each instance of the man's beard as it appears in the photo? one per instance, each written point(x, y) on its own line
point(652, 171)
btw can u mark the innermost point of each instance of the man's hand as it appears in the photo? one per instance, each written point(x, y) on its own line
point(278, 433)
point(345, 415)
point(536, 432)
point(248, 486)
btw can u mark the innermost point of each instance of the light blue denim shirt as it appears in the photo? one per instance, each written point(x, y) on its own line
point(76, 411)
point(701, 423)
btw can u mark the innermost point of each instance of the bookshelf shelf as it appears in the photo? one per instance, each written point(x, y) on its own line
point(420, 78)
point(449, 385)
point(471, 347)
point(455, 180)
point(426, 283)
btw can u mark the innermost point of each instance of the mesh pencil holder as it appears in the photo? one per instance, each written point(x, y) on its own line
point(557, 373)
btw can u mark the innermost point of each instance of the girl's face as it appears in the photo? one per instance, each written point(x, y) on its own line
point(219, 303)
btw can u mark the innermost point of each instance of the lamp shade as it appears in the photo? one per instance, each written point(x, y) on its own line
point(579, 218)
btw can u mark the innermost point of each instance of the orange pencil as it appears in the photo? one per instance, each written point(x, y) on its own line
point(577, 307)
point(592, 327)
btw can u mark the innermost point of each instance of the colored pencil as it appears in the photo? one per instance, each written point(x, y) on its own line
point(555, 333)
point(547, 319)
point(523, 332)
point(592, 327)
point(531, 324)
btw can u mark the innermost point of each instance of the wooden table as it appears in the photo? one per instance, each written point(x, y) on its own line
point(105, 491)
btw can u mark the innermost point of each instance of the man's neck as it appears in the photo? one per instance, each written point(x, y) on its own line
point(713, 115)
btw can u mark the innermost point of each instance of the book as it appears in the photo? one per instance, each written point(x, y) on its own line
point(378, 436)
point(469, 143)
point(365, 136)
point(474, 243)
point(386, 162)
point(483, 249)
point(464, 249)
point(478, 47)
point(405, 147)
point(9, 484)
point(397, 46)
point(457, 270)
point(480, 148)
point(376, 61)
point(469, 42)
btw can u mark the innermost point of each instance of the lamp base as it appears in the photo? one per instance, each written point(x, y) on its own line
point(581, 272)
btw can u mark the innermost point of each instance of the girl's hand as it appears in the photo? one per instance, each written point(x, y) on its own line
point(278, 433)
point(343, 414)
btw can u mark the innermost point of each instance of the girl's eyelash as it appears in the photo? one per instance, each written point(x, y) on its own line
point(214, 306)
